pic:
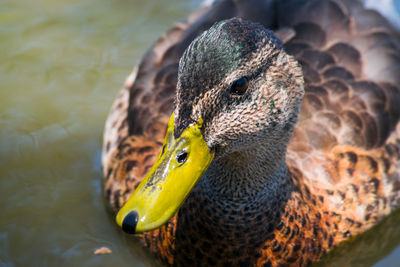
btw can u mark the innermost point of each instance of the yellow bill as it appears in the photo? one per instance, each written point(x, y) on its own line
point(180, 165)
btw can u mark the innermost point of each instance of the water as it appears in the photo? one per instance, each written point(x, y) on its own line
point(61, 64)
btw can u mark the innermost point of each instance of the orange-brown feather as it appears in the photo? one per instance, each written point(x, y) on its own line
point(343, 156)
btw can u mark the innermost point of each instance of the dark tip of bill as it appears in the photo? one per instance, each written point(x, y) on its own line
point(129, 223)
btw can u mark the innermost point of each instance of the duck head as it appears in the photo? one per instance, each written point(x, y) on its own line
point(237, 89)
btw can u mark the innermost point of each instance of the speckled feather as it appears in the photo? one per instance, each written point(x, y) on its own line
point(343, 157)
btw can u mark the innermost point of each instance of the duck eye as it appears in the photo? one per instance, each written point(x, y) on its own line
point(239, 87)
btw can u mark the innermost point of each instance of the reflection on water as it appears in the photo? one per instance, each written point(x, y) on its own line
point(369, 248)
point(61, 64)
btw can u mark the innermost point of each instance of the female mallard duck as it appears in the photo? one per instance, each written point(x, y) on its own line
point(237, 182)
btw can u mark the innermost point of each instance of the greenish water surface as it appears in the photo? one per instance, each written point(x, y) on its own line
point(61, 64)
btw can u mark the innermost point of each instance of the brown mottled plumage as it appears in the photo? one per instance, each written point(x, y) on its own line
point(258, 204)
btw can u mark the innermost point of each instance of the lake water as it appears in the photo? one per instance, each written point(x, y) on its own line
point(61, 64)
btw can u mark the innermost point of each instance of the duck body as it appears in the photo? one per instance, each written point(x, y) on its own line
point(286, 194)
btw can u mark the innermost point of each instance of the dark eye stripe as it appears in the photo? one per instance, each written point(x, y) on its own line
point(239, 86)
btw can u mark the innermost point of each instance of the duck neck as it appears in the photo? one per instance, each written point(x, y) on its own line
point(246, 174)
point(238, 205)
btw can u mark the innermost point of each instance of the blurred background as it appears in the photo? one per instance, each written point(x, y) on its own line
point(61, 65)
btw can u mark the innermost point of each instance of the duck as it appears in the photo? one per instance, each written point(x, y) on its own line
point(258, 133)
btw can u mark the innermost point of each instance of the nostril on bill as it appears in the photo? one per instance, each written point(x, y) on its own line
point(129, 223)
point(182, 157)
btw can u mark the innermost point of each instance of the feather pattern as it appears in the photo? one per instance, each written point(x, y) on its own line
point(343, 155)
